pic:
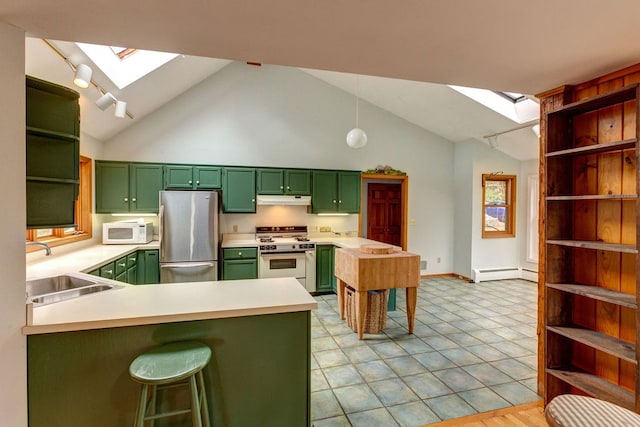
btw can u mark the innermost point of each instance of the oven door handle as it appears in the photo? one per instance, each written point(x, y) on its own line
point(275, 254)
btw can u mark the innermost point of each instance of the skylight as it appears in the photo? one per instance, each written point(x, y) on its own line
point(513, 105)
point(120, 64)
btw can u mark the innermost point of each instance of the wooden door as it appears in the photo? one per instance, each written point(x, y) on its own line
point(384, 213)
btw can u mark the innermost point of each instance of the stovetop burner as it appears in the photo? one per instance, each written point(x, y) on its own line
point(265, 239)
point(302, 239)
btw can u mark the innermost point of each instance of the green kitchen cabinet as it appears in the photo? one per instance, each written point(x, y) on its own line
point(325, 279)
point(132, 275)
point(127, 187)
point(295, 182)
point(108, 271)
point(186, 177)
point(336, 192)
point(239, 263)
point(121, 266)
point(239, 190)
point(148, 267)
point(52, 154)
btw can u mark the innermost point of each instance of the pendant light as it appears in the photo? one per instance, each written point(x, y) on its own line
point(356, 138)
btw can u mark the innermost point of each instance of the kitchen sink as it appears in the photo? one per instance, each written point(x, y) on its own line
point(63, 287)
point(70, 293)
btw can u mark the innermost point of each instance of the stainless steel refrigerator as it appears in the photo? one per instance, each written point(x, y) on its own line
point(188, 236)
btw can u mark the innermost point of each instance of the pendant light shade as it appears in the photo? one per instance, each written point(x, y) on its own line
point(121, 109)
point(83, 76)
point(356, 138)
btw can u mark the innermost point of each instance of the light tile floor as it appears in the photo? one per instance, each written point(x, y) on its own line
point(474, 349)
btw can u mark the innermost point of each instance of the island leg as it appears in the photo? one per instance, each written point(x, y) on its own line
point(341, 299)
point(412, 297)
point(361, 311)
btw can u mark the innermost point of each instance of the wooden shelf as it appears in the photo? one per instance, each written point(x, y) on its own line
point(596, 387)
point(52, 134)
point(617, 96)
point(603, 342)
point(594, 149)
point(598, 293)
point(599, 246)
point(53, 180)
point(593, 197)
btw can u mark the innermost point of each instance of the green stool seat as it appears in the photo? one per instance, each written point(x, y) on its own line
point(178, 363)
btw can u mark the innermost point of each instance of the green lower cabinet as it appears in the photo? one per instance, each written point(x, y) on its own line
point(108, 271)
point(132, 275)
point(325, 279)
point(122, 277)
point(239, 263)
point(148, 268)
point(240, 269)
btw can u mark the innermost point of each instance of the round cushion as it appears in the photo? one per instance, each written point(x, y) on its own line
point(570, 410)
point(170, 362)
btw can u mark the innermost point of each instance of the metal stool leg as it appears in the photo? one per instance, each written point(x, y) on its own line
point(204, 406)
point(195, 402)
point(142, 406)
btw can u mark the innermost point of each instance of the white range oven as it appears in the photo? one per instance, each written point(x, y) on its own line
point(287, 252)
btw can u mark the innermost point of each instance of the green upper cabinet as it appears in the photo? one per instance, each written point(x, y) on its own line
point(186, 177)
point(349, 192)
point(297, 182)
point(239, 190)
point(284, 181)
point(52, 154)
point(127, 187)
point(336, 191)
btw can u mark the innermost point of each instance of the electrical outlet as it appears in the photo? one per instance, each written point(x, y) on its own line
point(439, 260)
point(235, 228)
point(423, 264)
point(325, 229)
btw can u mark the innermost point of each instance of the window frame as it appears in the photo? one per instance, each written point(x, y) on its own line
point(83, 213)
point(509, 205)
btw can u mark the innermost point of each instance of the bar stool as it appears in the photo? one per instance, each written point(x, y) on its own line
point(177, 363)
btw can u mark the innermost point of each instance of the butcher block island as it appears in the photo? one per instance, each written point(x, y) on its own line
point(79, 351)
point(376, 267)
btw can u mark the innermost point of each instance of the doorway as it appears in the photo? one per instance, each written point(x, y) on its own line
point(384, 213)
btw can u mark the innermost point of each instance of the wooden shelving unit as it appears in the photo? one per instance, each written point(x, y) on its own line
point(591, 206)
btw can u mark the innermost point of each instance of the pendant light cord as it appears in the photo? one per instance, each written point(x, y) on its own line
point(357, 82)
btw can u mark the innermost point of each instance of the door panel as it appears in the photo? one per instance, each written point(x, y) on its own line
point(384, 213)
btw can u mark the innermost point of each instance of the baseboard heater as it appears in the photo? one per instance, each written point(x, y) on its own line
point(486, 274)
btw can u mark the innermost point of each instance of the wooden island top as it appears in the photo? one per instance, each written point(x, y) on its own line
point(365, 271)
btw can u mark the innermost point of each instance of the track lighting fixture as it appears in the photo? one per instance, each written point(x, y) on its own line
point(82, 77)
point(493, 141)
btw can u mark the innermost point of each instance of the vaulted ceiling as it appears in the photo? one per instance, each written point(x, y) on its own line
point(506, 45)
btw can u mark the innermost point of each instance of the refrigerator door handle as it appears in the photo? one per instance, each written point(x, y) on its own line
point(160, 230)
point(187, 264)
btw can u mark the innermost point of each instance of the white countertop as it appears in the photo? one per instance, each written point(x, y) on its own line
point(248, 241)
point(84, 259)
point(132, 305)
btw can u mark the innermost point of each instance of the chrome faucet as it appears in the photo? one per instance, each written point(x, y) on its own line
point(44, 245)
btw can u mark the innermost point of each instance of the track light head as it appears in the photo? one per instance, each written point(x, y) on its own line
point(121, 109)
point(82, 77)
point(105, 101)
point(493, 141)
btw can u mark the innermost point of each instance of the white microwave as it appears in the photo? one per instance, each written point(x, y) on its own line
point(126, 232)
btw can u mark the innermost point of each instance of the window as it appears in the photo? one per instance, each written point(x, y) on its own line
point(82, 230)
point(498, 205)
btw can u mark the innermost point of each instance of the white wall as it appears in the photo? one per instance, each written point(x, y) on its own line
point(527, 169)
point(473, 159)
point(280, 116)
point(13, 371)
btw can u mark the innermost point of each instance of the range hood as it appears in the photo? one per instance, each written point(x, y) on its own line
point(263, 199)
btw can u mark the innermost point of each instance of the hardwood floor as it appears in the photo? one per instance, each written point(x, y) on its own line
point(527, 415)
